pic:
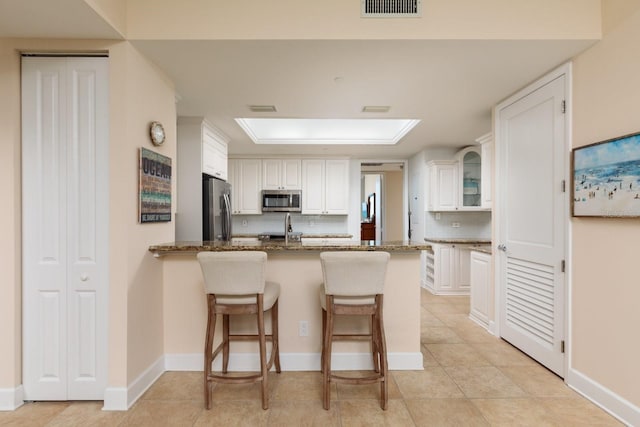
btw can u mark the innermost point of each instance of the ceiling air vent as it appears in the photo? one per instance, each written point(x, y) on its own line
point(391, 8)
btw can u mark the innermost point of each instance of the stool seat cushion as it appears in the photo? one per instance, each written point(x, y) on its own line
point(271, 294)
point(343, 299)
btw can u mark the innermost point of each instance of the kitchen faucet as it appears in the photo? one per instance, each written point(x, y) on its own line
point(287, 227)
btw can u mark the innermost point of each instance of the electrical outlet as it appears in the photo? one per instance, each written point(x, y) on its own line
point(438, 216)
point(311, 223)
point(245, 222)
point(455, 224)
point(303, 328)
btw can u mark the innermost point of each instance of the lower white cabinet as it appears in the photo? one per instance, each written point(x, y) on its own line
point(448, 269)
point(480, 274)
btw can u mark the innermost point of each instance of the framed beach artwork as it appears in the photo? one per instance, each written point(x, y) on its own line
point(606, 178)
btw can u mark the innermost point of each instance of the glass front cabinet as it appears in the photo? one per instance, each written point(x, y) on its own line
point(470, 178)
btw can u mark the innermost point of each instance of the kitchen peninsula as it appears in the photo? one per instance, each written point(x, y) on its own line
point(296, 266)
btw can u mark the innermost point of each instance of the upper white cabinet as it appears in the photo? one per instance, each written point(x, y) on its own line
point(201, 149)
point(469, 178)
point(486, 150)
point(443, 185)
point(281, 174)
point(214, 152)
point(324, 187)
point(458, 184)
point(245, 177)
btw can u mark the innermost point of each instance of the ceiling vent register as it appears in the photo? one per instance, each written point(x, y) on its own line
point(391, 8)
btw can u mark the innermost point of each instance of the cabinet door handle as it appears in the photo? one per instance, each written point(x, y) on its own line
point(502, 248)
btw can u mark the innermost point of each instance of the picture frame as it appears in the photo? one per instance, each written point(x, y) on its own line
point(606, 178)
point(154, 200)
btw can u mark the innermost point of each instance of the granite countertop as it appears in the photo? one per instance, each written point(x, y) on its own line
point(281, 246)
point(305, 235)
point(459, 240)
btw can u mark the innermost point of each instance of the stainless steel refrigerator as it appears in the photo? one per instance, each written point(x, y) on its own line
point(216, 204)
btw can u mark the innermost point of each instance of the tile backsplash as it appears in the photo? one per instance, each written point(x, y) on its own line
point(274, 222)
point(470, 224)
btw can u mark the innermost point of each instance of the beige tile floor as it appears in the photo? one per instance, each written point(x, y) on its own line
point(470, 379)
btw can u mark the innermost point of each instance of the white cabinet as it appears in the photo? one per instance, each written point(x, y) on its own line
point(480, 272)
point(457, 185)
point(486, 149)
point(449, 269)
point(214, 153)
point(443, 185)
point(325, 189)
point(200, 149)
point(469, 190)
point(245, 177)
point(281, 174)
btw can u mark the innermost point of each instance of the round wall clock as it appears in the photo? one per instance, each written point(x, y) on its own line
point(157, 133)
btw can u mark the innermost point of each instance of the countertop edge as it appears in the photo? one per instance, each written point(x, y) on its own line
point(281, 247)
point(461, 241)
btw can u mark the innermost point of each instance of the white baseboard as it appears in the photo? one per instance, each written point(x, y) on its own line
point(617, 406)
point(11, 398)
point(295, 362)
point(492, 328)
point(121, 398)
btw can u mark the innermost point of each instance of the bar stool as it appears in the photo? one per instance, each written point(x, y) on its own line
point(234, 284)
point(353, 285)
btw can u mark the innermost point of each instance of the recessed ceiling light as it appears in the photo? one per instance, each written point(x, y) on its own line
point(263, 108)
point(326, 131)
point(376, 109)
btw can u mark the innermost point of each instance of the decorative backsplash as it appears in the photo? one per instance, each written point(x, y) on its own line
point(471, 224)
point(313, 224)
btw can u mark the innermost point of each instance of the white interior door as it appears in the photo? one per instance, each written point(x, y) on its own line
point(532, 209)
point(65, 227)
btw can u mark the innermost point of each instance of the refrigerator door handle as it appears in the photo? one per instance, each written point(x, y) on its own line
point(226, 217)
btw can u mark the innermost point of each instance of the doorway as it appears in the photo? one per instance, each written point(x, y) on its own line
point(383, 201)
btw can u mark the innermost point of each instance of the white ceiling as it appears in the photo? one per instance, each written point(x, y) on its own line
point(450, 85)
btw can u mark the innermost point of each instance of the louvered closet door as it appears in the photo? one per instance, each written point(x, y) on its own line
point(65, 227)
point(533, 209)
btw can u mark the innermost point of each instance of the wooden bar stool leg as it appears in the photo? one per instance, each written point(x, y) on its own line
point(326, 390)
point(263, 354)
point(225, 341)
point(324, 332)
point(208, 351)
point(375, 351)
point(274, 333)
point(384, 384)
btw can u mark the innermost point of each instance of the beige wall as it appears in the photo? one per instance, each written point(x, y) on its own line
point(605, 286)
point(300, 275)
point(139, 93)
point(393, 221)
point(10, 247)
point(294, 19)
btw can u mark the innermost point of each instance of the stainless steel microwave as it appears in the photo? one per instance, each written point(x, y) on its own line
point(281, 200)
